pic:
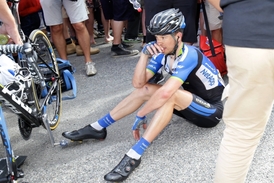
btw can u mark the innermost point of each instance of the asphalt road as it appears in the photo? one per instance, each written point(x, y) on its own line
point(182, 153)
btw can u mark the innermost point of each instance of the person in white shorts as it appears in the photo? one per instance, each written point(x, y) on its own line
point(215, 23)
point(77, 13)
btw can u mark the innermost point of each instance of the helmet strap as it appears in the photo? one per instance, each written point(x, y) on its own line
point(175, 47)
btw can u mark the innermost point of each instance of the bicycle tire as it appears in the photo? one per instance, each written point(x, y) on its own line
point(47, 56)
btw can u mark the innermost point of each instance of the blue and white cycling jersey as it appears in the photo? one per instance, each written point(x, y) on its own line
point(196, 72)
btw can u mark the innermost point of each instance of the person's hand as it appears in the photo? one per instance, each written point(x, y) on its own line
point(3, 29)
point(17, 38)
point(136, 126)
point(151, 48)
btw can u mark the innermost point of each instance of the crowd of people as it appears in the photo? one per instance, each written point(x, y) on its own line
point(169, 30)
point(71, 23)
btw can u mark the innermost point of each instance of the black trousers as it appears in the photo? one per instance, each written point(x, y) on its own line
point(133, 26)
point(30, 22)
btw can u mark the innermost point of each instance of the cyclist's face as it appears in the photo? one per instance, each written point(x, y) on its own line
point(166, 42)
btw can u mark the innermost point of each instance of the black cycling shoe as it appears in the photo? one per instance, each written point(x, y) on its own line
point(122, 170)
point(88, 132)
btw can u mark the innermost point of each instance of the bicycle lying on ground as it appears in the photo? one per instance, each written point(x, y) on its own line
point(34, 95)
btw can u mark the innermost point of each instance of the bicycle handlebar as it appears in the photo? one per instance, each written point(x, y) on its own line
point(14, 48)
point(31, 56)
point(11, 48)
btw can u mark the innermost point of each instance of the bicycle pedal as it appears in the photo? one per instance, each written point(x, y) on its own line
point(20, 173)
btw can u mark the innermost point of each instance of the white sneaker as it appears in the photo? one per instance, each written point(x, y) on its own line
point(90, 69)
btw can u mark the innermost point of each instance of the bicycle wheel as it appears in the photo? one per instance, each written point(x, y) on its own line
point(51, 103)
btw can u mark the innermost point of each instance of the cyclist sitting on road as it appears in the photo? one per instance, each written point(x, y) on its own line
point(8, 25)
point(199, 101)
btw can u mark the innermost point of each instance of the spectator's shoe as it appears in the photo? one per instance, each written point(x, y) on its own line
point(126, 45)
point(122, 170)
point(121, 51)
point(88, 132)
point(79, 51)
point(134, 40)
point(157, 78)
point(90, 69)
point(71, 48)
point(98, 34)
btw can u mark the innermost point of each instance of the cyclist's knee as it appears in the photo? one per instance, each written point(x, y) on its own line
point(149, 89)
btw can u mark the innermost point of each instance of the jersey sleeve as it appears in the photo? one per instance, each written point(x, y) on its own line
point(155, 63)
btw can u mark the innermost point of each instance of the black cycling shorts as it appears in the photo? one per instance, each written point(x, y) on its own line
point(201, 113)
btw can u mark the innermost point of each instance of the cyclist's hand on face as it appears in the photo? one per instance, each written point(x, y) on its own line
point(136, 126)
point(151, 48)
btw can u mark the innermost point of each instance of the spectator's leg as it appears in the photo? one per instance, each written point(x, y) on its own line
point(59, 40)
point(248, 94)
point(89, 24)
point(83, 39)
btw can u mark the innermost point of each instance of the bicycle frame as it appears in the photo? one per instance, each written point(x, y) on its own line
point(34, 115)
point(37, 116)
point(24, 111)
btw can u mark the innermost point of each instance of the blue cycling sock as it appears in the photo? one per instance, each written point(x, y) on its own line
point(138, 149)
point(106, 121)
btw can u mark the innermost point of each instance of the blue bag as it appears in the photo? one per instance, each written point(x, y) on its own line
point(68, 81)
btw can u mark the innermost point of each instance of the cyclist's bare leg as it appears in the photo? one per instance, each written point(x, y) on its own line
point(180, 100)
point(128, 105)
point(132, 102)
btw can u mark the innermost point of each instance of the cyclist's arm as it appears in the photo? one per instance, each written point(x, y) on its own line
point(144, 70)
point(163, 94)
point(139, 76)
point(9, 25)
